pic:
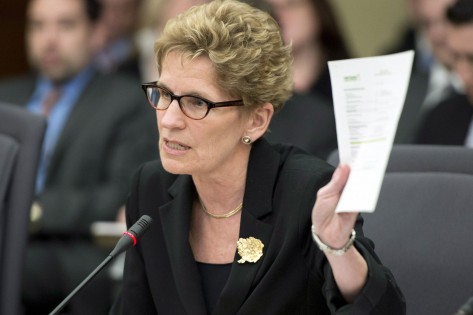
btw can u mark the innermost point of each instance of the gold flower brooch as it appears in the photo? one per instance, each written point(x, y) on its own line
point(250, 249)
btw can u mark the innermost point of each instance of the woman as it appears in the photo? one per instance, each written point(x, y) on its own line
point(233, 214)
point(312, 29)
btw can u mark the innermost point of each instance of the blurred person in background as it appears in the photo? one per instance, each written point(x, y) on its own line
point(432, 80)
point(98, 133)
point(115, 37)
point(311, 27)
point(450, 123)
point(307, 120)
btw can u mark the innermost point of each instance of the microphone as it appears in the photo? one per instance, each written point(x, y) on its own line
point(467, 308)
point(127, 240)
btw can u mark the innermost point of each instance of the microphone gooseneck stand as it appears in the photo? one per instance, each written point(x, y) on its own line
point(128, 240)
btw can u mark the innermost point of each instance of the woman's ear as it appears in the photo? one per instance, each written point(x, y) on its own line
point(259, 121)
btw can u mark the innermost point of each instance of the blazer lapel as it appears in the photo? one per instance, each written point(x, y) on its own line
point(175, 217)
point(257, 204)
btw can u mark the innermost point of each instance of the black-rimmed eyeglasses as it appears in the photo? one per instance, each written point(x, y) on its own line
point(194, 107)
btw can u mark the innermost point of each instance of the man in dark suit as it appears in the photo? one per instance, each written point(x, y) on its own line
point(432, 80)
point(450, 123)
point(99, 130)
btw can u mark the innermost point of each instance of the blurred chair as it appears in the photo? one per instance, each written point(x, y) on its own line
point(423, 225)
point(425, 158)
point(8, 153)
point(21, 136)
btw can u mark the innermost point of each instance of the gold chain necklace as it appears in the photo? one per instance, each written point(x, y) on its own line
point(221, 216)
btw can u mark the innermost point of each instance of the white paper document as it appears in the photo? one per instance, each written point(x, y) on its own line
point(368, 95)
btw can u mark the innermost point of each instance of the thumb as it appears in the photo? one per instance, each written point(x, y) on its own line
point(337, 183)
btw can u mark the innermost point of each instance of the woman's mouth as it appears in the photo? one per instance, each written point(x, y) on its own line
point(176, 146)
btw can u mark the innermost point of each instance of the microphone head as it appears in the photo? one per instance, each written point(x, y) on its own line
point(141, 225)
point(130, 237)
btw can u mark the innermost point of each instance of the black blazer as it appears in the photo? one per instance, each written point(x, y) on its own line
point(448, 123)
point(306, 121)
point(292, 276)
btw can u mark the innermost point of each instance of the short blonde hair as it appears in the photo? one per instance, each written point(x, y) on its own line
point(244, 45)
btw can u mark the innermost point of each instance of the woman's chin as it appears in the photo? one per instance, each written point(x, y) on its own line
point(173, 166)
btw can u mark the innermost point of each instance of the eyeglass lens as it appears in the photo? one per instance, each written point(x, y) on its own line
point(192, 107)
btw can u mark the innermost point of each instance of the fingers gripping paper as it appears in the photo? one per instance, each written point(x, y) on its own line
point(368, 95)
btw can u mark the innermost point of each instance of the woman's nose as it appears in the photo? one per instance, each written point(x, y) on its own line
point(172, 117)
